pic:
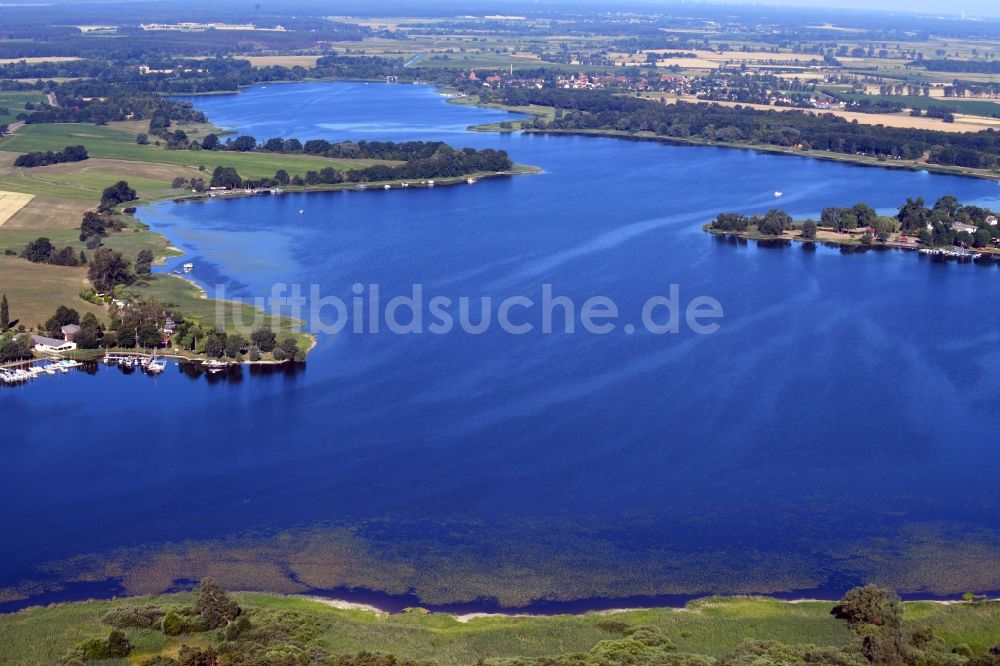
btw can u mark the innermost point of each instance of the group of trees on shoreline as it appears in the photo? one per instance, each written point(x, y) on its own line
point(14, 344)
point(138, 323)
point(390, 151)
point(420, 160)
point(191, 335)
point(943, 224)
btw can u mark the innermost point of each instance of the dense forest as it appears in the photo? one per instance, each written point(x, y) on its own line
point(595, 110)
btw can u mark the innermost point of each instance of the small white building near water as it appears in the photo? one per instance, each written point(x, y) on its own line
point(51, 345)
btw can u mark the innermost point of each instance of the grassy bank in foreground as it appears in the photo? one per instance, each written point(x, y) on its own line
point(712, 627)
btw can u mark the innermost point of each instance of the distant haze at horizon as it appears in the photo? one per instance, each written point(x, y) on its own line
point(971, 7)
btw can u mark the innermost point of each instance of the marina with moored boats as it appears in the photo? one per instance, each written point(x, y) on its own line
point(25, 372)
point(15, 374)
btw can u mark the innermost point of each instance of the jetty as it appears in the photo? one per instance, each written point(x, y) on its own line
point(147, 362)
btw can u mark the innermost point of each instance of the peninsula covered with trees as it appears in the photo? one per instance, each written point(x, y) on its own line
point(947, 226)
point(413, 160)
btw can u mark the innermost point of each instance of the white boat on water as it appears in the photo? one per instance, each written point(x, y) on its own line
point(214, 366)
point(156, 366)
point(777, 195)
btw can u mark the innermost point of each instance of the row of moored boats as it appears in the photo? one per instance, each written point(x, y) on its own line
point(951, 254)
point(150, 364)
point(21, 375)
point(154, 365)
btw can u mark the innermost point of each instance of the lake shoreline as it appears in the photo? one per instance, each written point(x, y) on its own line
point(464, 612)
point(465, 617)
point(860, 161)
point(857, 160)
point(370, 186)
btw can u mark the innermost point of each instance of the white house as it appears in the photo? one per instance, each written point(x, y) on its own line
point(961, 226)
point(991, 220)
point(51, 345)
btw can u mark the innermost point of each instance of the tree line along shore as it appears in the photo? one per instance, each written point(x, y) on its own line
point(869, 626)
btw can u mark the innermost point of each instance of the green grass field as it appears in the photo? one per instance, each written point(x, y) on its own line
point(710, 627)
point(35, 290)
point(177, 293)
point(112, 142)
point(14, 102)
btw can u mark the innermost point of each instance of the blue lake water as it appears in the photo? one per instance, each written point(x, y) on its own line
point(840, 426)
